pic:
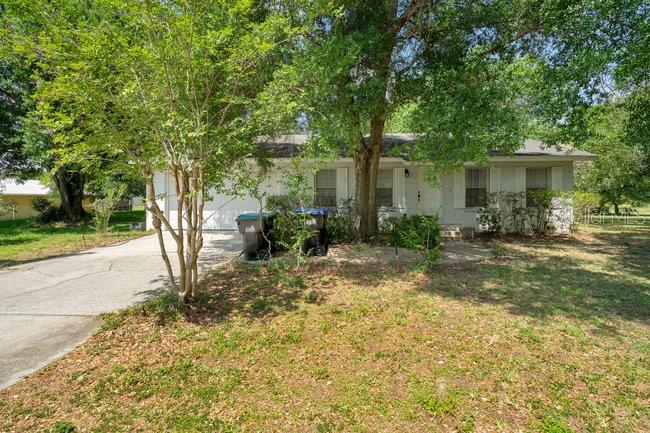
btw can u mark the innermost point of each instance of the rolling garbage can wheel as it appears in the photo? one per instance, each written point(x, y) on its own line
point(321, 250)
point(263, 254)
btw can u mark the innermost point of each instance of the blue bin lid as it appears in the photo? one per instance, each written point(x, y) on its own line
point(313, 210)
point(254, 216)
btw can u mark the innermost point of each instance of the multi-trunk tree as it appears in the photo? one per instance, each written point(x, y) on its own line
point(162, 87)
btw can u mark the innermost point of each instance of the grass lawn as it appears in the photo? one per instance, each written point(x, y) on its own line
point(552, 335)
point(22, 241)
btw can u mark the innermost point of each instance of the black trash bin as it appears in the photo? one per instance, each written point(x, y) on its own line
point(316, 219)
point(250, 225)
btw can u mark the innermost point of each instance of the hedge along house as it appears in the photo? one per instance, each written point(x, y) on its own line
point(402, 186)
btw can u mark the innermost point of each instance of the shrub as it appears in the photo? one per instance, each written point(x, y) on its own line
point(416, 232)
point(538, 205)
point(490, 217)
point(8, 207)
point(41, 204)
point(47, 211)
point(281, 203)
point(103, 207)
point(587, 203)
point(524, 212)
point(290, 230)
point(340, 229)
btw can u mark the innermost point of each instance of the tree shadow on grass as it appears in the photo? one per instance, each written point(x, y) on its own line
point(544, 287)
point(633, 245)
point(247, 291)
point(528, 283)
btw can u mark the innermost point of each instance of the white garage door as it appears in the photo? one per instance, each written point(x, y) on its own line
point(220, 213)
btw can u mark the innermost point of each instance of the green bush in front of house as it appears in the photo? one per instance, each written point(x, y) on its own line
point(48, 211)
point(340, 229)
point(415, 232)
point(288, 227)
point(534, 211)
point(290, 230)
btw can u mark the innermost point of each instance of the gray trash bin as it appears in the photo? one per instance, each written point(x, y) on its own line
point(250, 225)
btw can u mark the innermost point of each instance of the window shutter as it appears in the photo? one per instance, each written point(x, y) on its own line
point(341, 184)
point(520, 179)
point(495, 179)
point(459, 189)
point(399, 189)
point(556, 178)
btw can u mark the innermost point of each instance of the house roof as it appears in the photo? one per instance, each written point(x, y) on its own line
point(538, 148)
point(23, 187)
point(291, 145)
point(288, 146)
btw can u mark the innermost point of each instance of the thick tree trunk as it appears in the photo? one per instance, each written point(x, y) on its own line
point(366, 156)
point(366, 163)
point(362, 194)
point(71, 190)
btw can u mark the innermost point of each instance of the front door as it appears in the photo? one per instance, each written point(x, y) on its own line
point(429, 197)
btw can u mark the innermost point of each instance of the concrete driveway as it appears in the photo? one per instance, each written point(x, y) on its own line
point(47, 307)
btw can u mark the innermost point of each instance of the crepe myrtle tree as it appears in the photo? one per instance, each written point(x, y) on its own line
point(197, 94)
point(169, 87)
point(470, 72)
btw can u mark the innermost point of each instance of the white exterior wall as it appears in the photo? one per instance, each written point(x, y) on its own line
point(507, 173)
point(411, 195)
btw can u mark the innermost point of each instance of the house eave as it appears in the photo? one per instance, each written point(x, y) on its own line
point(531, 158)
point(23, 194)
point(516, 158)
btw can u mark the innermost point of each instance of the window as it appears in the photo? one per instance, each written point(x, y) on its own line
point(536, 179)
point(385, 188)
point(475, 187)
point(325, 183)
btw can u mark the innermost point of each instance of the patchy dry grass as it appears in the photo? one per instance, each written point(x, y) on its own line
point(550, 336)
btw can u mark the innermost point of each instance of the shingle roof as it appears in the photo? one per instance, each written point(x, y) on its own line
point(538, 148)
point(27, 187)
point(288, 146)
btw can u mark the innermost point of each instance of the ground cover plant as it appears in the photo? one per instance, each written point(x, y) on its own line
point(552, 335)
point(24, 240)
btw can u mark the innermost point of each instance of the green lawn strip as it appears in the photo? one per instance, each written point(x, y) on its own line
point(23, 240)
point(551, 337)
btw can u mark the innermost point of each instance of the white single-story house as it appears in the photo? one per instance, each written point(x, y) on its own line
point(402, 186)
point(20, 194)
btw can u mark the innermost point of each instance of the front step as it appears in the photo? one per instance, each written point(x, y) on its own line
point(456, 233)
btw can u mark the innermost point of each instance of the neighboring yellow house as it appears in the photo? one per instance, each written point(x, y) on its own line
point(20, 193)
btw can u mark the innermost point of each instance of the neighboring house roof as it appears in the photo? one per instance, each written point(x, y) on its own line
point(20, 187)
point(288, 146)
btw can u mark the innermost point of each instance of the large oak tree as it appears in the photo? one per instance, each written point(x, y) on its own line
point(472, 74)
